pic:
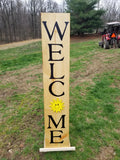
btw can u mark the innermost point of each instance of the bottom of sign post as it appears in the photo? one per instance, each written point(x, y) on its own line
point(57, 149)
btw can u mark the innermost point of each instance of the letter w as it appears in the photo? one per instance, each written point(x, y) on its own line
point(61, 35)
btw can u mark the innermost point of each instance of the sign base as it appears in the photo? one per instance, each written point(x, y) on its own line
point(57, 149)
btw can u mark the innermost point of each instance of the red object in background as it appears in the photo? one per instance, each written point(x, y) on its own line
point(113, 35)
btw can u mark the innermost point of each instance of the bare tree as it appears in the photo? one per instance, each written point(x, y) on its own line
point(20, 20)
point(112, 10)
point(5, 19)
point(52, 6)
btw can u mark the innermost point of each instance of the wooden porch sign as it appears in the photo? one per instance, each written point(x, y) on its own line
point(55, 50)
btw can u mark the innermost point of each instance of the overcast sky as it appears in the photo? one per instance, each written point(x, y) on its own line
point(59, 1)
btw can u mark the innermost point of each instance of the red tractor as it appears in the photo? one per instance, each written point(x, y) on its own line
point(111, 35)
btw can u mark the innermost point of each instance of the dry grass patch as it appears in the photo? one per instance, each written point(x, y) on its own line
point(21, 81)
point(97, 65)
point(106, 153)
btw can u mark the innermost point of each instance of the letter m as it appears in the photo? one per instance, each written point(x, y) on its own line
point(56, 124)
point(61, 35)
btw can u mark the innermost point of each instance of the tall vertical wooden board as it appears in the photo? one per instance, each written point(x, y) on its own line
point(55, 50)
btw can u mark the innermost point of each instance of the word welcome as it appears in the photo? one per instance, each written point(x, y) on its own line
point(59, 79)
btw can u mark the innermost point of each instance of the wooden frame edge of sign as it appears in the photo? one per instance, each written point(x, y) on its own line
point(56, 73)
point(57, 149)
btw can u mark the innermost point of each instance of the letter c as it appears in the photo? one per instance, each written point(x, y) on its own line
point(51, 91)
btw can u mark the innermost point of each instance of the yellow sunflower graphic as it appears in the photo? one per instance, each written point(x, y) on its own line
point(57, 105)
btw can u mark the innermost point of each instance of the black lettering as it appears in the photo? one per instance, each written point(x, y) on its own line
point(61, 35)
point(51, 51)
point(51, 91)
point(56, 124)
point(52, 136)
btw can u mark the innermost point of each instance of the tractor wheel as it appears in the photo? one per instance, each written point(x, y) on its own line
point(118, 43)
point(114, 43)
point(102, 45)
point(106, 44)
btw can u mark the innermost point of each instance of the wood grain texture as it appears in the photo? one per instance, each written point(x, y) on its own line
point(60, 73)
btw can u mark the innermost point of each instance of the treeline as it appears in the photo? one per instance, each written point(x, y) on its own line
point(112, 8)
point(86, 18)
point(20, 20)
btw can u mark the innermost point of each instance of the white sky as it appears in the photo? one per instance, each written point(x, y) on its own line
point(59, 1)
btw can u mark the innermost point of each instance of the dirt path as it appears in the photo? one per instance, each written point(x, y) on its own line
point(74, 39)
point(18, 44)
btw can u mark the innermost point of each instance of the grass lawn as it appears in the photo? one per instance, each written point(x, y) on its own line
point(94, 103)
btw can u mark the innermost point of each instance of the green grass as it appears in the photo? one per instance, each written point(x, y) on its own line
point(20, 57)
point(94, 107)
point(83, 54)
point(7, 85)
